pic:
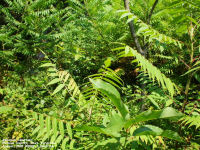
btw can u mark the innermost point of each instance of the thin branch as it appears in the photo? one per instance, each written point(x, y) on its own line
point(148, 22)
point(132, 30)
point(196, 25)
point(184, 63)
point(151, 12)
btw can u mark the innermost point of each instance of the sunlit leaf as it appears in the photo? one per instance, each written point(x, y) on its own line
point(167, 112)
point(58, 88)
point(112, 93)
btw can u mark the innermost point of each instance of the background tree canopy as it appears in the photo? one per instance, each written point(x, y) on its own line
point(100, 74)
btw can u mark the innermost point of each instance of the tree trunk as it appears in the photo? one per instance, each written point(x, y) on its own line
point(138, 46)
point(132, 30)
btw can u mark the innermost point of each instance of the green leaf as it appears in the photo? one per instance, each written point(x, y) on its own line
point(90, 128)
point(125, 15)
point(155, 73)
point(47, 135)
point(193, 120)
point(61, 128)
point(156, 131)
point(112, 93)
point(52, 70)
point(198, 62)
point(5, 109)
point(107, 62)
point(148, 130)
point(130, 19)
point(63, 146)
point(191, 70)
point(56, 80)
point(42, 132)
point(105, 142)
point(197, 77)
point(48, 124)
point(35, 130)
point(54, 125)
point(115, 125)
point(69, 130)
point(48, 65)
point(26, 120)
point(127, 50)
point(193, 20)
point(120, 11)
point(154, 102)
point(171, 135)
point(54, 136)
point(71, 146)
point(167, 112)
point(113, 128)
point(168, 102)
point(77, 56)
point(30, 123)
point(118, 48)
point(35, 116)
point(41, 120)
point(59, 139)
point(53, 74)
point(58, 88)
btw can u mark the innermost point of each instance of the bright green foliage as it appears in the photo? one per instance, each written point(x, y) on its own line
point(168, 112)
point(147, 31)
point(5, 109)
point(155, 131)
point(191, 121)
point(66, 79)
point(153, 72)
point(109, 76)
point(112, 129)
point(49, 128)
point(117, 122)
point(105, 74)
point(112, 94)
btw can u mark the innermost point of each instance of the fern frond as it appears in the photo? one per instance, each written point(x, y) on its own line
point(47, 128)
point(65, 81)
point(9, 18)
point(44, 127)
point(38, 4)
point(147, 139)
point(77, 3)
point(105, 74)
point(42, 12)
point(148, 31)
point(195, 68)
point(163, 56)
point(109, 76)
point(191, 121)
point(68, 80)
point(153, 72)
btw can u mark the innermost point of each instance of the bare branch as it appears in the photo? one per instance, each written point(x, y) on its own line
point(132, 30)
point(151, 12)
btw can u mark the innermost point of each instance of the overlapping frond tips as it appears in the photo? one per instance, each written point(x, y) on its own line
point(48, 128)
point(105, 74)
point(147, 31)
point(65, 82)
point(153, 72)
point(191, 121)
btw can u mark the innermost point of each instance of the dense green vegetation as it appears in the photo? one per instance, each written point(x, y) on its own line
point(100, 74)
